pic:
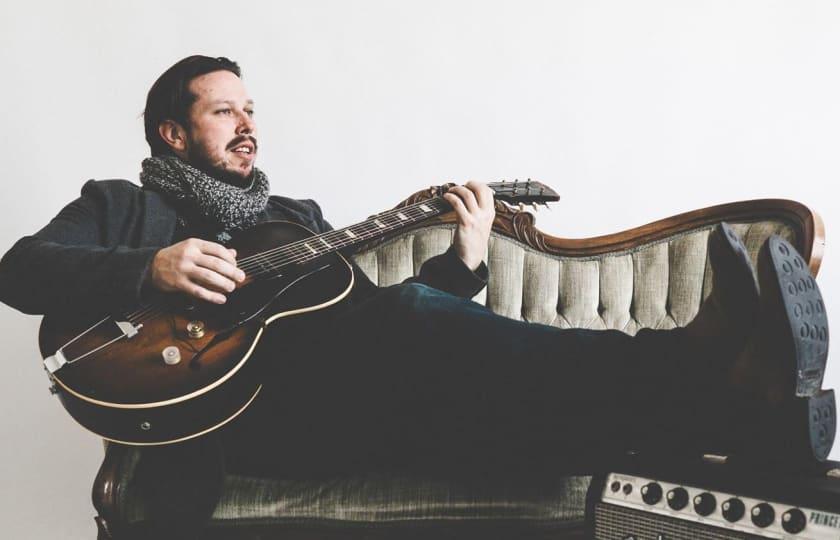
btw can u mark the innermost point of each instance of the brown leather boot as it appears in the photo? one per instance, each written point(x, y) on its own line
point(727, 316)
point(780, 372)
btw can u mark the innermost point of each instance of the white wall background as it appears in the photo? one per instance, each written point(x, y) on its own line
point(634, 111)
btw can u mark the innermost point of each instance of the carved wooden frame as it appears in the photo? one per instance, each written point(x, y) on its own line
point(519, 225)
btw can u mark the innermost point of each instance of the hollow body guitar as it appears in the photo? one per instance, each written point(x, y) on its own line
point(179, 368)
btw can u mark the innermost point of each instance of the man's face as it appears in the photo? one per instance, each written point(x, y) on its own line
point(221, 135)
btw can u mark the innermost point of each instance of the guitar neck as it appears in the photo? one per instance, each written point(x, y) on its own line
point(383, 224)
point(349, 237)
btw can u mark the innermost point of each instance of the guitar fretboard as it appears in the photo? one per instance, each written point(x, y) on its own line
point(316, 246)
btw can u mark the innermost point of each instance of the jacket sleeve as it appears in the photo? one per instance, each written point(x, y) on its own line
point(67, 267)
point(445, 272)
point(448, 273)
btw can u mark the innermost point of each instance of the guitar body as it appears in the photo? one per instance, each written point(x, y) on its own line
point(179, 369)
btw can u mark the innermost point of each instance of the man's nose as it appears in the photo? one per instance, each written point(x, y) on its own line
point(246, 124)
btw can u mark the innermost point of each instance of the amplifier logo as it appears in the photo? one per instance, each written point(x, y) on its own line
point(828, 520)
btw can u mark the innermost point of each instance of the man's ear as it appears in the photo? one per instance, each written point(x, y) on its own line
point(174, 135)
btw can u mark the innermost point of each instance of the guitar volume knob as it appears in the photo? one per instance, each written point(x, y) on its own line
point(171, 355)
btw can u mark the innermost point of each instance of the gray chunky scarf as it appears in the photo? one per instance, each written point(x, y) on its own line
point(202, 200)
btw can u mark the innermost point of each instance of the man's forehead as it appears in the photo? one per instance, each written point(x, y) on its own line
point(219, 86)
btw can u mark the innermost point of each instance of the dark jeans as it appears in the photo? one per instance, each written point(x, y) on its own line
point(418, 381)
point(421, 381)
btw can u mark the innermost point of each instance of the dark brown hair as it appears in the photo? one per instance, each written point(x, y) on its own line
point(170, 97)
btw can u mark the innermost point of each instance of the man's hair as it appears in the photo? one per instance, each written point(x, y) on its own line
point(170, 97)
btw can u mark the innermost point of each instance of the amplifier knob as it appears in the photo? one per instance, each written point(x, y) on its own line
point(652, 493)
point(732, 510)
point(677, 498)
point(793, 521)
point(705, 503)
point(763, 515)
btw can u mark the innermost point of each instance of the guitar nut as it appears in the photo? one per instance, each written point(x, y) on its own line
point(195, 329)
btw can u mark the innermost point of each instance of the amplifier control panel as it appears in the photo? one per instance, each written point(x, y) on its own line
point(764, 518)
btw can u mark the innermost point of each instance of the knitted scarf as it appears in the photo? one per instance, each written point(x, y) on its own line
point(201, 200)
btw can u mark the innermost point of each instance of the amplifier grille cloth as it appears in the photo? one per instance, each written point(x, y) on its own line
point(617, 523)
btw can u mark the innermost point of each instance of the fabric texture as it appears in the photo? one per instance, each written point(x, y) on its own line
point(199, 197)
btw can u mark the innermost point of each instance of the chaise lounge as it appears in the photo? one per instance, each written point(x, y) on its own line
point(654, 276)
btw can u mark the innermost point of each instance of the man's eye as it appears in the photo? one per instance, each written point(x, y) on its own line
point(250, 113)
point(223, 111)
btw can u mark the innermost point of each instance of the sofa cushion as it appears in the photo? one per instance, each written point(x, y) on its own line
point(380, 498)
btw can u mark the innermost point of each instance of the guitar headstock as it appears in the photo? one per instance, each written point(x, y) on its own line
point(527, 192)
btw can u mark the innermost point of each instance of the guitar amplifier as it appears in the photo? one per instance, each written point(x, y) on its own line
point(714, 500)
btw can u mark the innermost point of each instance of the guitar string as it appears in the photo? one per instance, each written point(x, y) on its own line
point(498, 187)
point(340, 235)
point(363, 231)
point(276, 260)
point(299, 253)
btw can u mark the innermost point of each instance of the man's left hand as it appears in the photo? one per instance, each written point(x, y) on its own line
point(475, 209)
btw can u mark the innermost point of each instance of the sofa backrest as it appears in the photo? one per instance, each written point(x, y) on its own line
point(656, 277)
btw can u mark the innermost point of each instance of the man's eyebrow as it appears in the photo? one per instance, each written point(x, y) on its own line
point(229, 102)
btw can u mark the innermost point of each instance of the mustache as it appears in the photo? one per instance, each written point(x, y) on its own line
point(241, 139)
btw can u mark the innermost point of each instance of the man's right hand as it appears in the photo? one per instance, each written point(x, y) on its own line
point(201, 269)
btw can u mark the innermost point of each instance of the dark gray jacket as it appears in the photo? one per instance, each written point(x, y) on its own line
point(95, 254)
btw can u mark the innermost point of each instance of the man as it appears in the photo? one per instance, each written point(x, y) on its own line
point(427, 384)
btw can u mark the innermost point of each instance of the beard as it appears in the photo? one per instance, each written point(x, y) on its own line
point(218, 168)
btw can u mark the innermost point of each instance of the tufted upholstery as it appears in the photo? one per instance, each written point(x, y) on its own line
point(658, 284)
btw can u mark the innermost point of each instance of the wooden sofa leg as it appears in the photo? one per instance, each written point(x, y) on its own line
point(103, 532)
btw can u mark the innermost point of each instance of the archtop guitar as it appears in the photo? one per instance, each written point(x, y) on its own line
point(178, 368)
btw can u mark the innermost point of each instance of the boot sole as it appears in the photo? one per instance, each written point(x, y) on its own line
point(787, 282)
point(822, 423)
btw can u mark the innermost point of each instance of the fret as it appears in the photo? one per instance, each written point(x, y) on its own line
point(316, 246)
point(332, 241)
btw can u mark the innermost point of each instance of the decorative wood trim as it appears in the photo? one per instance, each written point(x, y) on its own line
point(106, 487)
point(519, 225)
